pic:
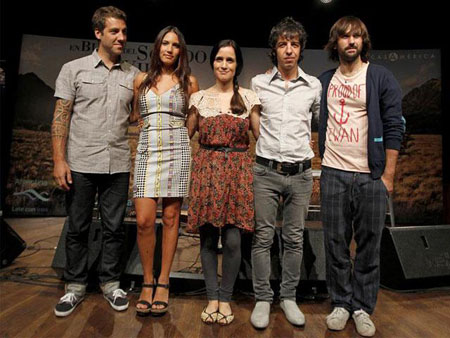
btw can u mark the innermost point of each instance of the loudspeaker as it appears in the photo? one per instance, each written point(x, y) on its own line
point(130, 259)
point(415, 257)
point(313, 264)
point(12, 244)
point(94, 246)
point(133, 261)
point(179, 281)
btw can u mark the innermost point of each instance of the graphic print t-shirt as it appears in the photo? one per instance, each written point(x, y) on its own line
point(346, 140)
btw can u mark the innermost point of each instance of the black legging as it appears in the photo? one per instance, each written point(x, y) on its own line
point(231, 260)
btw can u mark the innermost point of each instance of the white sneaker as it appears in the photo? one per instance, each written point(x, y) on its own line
point(364, 325)
point(292, 312)
point(337, 319)
point(260, 315)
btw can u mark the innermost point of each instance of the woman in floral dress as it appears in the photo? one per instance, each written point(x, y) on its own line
point(221, 194)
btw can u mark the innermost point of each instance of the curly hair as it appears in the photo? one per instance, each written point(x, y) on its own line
point(289, 28)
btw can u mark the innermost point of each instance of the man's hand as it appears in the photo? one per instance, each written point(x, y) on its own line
point(389, 170)
point(62, 175)
point(388, 182)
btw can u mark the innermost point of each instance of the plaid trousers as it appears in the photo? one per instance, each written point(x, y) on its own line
point(352, 204)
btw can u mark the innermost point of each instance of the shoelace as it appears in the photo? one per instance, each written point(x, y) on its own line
point(118, 293)
point(68, 298)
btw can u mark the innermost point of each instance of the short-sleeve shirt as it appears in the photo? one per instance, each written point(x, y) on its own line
point(347, 128)
point(102, 98)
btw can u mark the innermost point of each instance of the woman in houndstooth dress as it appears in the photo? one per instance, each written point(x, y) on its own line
point(162, 159)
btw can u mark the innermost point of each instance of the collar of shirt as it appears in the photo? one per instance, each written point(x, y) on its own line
point(275, 74)
point(98, 60)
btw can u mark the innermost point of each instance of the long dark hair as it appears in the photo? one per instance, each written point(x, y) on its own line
point(340, 28)
point(237, 103)
point(182, 69)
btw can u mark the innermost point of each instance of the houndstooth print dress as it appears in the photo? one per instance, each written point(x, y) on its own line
point(163, 153)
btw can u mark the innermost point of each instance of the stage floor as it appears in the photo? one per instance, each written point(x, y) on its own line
point(29, 289)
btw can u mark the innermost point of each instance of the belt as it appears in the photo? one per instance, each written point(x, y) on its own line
point(226, 150)
point(172, 123)
point(284, 168)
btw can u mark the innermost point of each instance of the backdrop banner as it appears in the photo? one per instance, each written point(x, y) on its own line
point(31, 190)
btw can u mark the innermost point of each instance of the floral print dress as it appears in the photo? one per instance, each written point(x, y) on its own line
point(221, 189)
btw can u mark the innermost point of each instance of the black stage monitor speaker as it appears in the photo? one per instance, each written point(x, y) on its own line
point(133, 261)
point(130, 259)
point(415, 257)
point(94, 246)
point(12, 244)
point(313, 264)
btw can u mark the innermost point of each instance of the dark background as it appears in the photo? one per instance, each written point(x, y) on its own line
point(391, 24)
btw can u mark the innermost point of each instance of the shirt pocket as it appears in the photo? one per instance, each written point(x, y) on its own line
point(92, 86)
point(126, 91)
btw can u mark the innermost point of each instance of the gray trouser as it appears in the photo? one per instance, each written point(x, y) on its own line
point(231, 260)
point(296, 190)
point(352, 203)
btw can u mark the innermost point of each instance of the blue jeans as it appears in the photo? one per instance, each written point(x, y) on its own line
point(112, 200)
point(268, 187)
point(352, 203)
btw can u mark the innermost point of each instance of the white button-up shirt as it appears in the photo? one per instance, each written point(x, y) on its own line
point(286, 113)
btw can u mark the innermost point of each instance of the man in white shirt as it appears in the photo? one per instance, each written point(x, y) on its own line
point(290, 99)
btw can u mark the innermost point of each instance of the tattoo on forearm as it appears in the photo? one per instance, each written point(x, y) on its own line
point(61, 118)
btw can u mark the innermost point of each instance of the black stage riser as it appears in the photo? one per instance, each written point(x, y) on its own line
point(130, 260)
point(313, 265)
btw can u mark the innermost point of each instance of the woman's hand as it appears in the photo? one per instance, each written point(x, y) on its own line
point(140, 123)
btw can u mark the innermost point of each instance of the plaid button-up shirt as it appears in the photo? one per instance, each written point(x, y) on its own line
point(102, 98)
